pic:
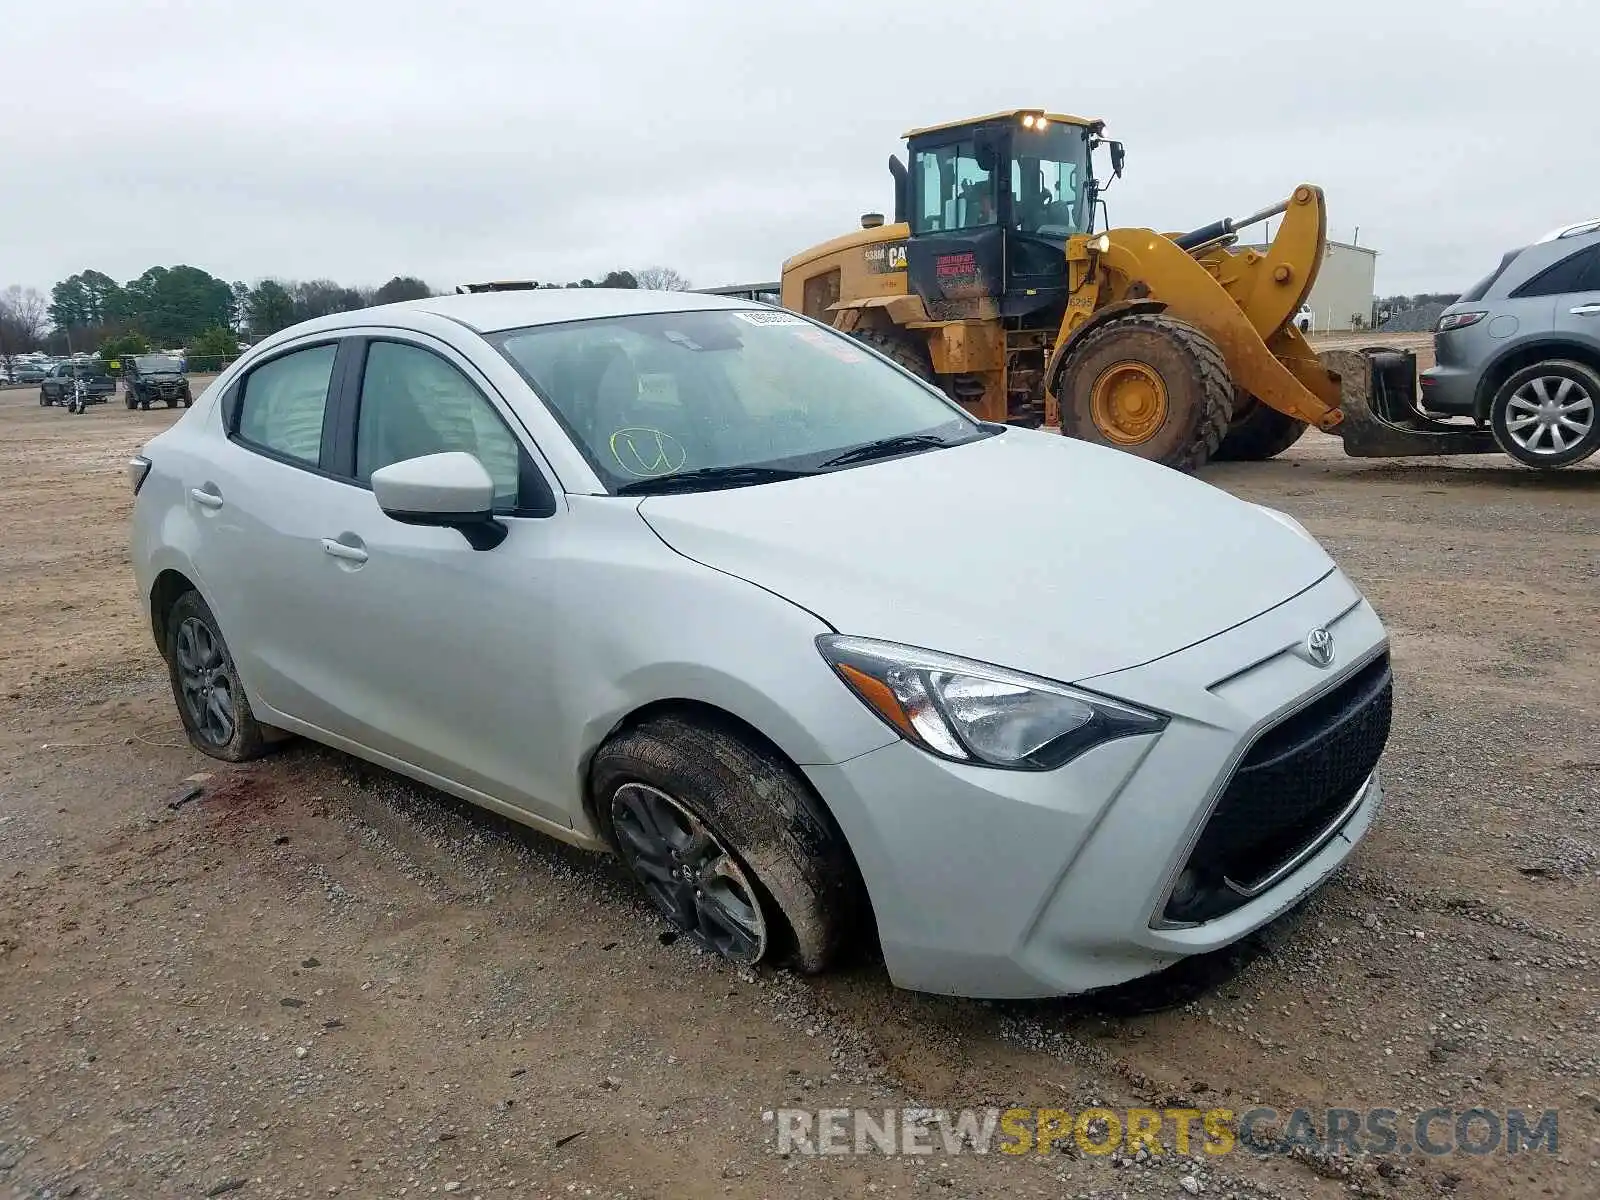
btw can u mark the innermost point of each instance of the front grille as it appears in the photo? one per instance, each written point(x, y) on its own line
point(1295, 780)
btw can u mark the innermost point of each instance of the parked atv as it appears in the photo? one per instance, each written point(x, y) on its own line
point(152, 377)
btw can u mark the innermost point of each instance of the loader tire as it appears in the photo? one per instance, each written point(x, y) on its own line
point(1258, 432)
point(1150, 385)
point(909, 351)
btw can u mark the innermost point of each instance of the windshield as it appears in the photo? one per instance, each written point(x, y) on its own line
point(644, 397)
point(156, 364)
point(1047, 174)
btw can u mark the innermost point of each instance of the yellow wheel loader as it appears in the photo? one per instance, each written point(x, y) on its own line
point(992, 283)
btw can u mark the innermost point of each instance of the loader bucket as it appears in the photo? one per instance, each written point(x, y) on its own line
point(1378, 399)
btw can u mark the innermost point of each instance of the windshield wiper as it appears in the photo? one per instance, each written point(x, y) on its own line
point(707, 479)
point(884, 447)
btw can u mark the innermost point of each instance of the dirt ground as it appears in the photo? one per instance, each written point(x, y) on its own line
point(317, 979)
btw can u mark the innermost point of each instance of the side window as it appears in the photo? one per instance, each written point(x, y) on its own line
point(1578, 272)
point(413, 403)
point(283, 402)
point(954, 189)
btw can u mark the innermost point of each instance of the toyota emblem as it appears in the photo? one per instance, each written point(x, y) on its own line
point(1319, 647)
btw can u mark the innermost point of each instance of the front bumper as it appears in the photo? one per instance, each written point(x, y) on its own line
point(1010, 884)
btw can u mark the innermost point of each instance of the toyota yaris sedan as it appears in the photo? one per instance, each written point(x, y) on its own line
point(715, 588)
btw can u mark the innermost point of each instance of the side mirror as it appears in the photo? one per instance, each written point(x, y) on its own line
point(1117, 159)
point(451, 490)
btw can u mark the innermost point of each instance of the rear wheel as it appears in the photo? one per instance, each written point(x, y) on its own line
point(1151, 385)
point(1258, 432)
point(44, 398)
point(205, 683)
point(1546, 415)
point(909, 351)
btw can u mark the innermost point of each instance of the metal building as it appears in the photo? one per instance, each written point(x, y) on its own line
point(1343, 294)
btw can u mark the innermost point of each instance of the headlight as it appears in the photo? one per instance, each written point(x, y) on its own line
point(971, 712)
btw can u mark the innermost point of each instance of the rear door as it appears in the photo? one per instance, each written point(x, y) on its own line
point(257, 502)
point(1578, 303)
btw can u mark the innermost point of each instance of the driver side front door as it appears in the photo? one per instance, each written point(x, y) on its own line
point(434, 653)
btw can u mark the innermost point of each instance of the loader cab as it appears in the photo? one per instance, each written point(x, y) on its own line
point(991, 204)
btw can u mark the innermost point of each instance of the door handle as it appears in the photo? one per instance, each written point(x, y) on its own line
point(204, 498)
point(1586, 310)
point(353, 554)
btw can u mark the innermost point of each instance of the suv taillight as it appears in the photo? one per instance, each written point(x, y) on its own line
point(138, 468)
point(1459, 320)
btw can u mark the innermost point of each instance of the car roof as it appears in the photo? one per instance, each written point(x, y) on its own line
point(490, 312)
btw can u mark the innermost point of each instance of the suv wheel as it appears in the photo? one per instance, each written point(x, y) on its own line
point(1546, 415)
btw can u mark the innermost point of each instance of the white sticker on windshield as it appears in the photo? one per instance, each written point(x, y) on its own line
point(770, 318)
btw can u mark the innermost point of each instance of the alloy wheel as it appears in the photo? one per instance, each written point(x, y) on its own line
point(688, 873)
point(203, 676)
point(1549, 415)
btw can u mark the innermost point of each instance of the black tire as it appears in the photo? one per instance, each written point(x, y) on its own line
point(1575, 384)
point(144, 406)
point(128, 400)
point(761, 811)
point(173, 402)
point(44, 398)
point(1258, 432)
point(910, 351)
point(246, 738)
point(1191, 370)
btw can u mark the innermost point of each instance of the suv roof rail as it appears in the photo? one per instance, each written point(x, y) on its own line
point(1574, 230)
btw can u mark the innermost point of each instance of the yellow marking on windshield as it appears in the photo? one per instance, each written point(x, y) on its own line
point(647, 453)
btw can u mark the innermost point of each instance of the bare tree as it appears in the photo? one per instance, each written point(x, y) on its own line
point(661, 279)
point(27, 311)
point(22, 322)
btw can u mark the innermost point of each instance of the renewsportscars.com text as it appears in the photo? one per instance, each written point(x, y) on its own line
point(1213, 1131)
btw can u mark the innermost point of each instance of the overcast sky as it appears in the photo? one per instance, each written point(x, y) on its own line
point(358, 139)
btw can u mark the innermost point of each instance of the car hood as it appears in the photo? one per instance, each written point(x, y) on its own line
point(1026, 550)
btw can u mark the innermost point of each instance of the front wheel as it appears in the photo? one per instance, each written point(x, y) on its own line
point(1148, 384)
point(128, 399)
point(44, 398)
point(728, 842)
point(1544, 415)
